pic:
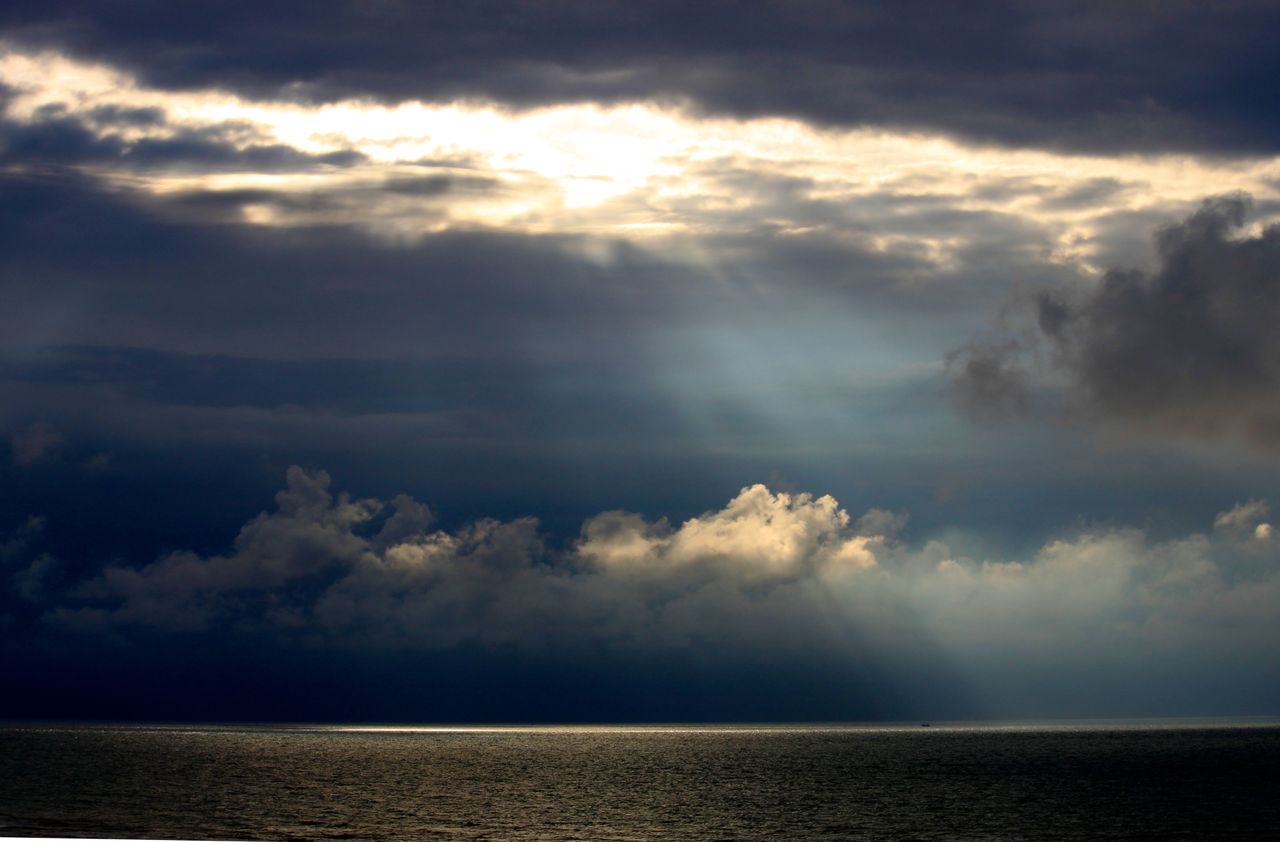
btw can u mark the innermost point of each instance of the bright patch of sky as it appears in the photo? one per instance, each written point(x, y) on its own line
point(636, 171)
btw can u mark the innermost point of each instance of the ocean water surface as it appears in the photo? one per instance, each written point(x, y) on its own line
point(992, 782)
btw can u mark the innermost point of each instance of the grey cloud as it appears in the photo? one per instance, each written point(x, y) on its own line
point(308, 537)
point(1189, 348)
point(988, 380)
point(1242, 516)
point(1248, 525)
point(882, 522)
point(409, 518)
point(1123, 238)
point(57, 139)
point(127, 116)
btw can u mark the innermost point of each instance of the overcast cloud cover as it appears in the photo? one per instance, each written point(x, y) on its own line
point(596, 310)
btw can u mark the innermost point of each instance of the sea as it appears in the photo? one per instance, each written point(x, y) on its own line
point(1163, 780)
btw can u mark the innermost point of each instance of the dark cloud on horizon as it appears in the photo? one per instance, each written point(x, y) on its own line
point(1170, 76)
point(1190, 348)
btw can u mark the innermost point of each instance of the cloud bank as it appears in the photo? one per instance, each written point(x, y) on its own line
point(769, 576)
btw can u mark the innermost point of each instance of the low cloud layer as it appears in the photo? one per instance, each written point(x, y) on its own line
point(1189, 348)
point(768, 576)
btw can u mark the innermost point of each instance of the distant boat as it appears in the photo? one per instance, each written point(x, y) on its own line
point(926, 724)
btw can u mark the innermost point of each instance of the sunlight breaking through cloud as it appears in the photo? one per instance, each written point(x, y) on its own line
point(633, 170)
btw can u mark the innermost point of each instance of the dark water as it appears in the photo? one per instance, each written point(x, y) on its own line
point(990, 783)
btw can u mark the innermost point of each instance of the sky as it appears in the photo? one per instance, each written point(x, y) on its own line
point(568, 361)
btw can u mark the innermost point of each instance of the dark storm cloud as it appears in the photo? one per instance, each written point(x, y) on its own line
point(1054, 74)
point(1189, 348)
